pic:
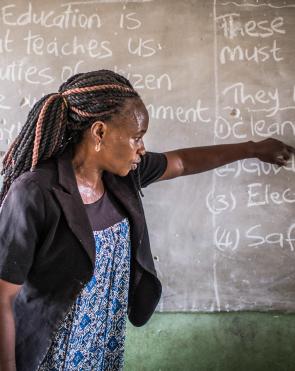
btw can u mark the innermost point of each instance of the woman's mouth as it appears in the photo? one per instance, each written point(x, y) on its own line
point(135, 164)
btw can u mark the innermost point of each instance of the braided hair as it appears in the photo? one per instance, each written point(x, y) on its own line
point(60, 118)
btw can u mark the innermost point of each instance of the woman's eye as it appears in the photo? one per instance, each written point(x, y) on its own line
point(137, 139)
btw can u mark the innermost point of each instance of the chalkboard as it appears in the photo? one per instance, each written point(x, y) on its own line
point(210, 72)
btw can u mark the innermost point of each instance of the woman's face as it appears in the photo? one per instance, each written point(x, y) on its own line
point(122, 142)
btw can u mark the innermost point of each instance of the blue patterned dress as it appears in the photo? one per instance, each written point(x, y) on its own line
point(92, 334)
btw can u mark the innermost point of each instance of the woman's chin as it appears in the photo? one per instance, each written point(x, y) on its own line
point(122, 172)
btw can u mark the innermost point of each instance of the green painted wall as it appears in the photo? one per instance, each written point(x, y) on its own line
point(212, 342)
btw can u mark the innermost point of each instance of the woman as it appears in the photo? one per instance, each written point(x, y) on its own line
point(74, 252)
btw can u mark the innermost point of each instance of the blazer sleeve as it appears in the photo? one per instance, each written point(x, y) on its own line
point(22, 217)
point(151, 168)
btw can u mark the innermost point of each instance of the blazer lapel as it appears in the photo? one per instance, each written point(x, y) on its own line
point(124, 189)
point(71, 203)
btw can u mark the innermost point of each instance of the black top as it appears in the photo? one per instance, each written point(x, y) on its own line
point(104, 212)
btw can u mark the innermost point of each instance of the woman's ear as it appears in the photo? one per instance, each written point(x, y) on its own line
point(98, 131)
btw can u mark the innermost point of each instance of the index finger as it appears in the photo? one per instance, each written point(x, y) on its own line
point(291, 149)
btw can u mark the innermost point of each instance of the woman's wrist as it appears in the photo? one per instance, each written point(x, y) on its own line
point(251, 149)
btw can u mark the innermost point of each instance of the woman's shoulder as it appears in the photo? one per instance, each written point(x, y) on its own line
point(32, 189)
point(44, 176)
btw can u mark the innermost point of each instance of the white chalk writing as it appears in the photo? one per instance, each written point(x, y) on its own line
point(262, 194)
point(232, 26)
point(69, 17)
point(253, 54)
point(37, 45)
point(253, 167)
point(217, 203)
point(181, 114)
point(255, 237)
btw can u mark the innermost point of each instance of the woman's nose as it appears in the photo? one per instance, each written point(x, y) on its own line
point(141, 149)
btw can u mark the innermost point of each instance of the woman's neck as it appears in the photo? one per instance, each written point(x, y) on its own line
point(87, 173)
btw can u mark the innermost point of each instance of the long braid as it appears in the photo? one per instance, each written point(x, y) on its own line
point(56, 119)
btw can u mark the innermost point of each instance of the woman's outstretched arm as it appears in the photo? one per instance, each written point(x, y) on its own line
point(194, 160)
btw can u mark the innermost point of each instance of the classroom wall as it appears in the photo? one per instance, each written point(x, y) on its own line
point(210, 72)
point(248, 341)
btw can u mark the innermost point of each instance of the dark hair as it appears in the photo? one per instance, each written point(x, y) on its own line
point(60, 118)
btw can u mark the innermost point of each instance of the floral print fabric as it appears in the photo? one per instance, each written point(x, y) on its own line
point(92, 335)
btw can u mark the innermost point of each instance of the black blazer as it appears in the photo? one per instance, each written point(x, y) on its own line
point(47, 245)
